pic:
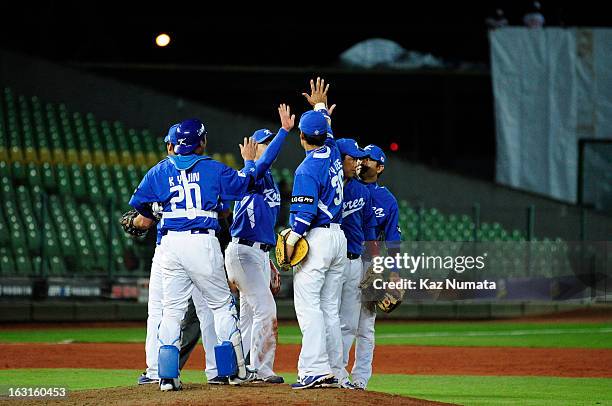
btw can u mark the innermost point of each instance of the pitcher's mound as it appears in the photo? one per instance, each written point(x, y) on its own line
point(253, 394)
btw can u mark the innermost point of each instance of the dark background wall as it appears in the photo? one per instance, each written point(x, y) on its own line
point(443, 119)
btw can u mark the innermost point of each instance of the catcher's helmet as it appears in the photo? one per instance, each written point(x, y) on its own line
point(189, 133)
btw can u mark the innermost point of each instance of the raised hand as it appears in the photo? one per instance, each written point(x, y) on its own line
point(248, 149)
point(287, 119)
point(318, 94)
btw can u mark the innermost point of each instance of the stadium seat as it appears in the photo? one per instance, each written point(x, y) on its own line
point(4, 169)
point(56, 266)
point(4, 234)
point(18, 171)
point(23, 265)
point(48, 177)
point(78, 185)
point(7, 265)
point(33, 174)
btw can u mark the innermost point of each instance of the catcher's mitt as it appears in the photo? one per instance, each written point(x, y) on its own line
point(299, 252)
point(127, 222)
point(275, 280)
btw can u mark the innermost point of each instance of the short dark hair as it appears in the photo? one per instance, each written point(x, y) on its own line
point(317, 140)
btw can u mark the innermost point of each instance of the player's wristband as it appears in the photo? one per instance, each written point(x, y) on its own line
point(293, 238)
point(320, 106)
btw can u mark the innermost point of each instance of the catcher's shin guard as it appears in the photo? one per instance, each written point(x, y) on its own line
point(168, 362)
point(225, 356)
point(229, 354)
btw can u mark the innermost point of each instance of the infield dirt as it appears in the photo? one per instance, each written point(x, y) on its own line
point(254, 394)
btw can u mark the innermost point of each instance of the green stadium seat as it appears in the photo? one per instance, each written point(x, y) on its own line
point(19, 172)
point(57, 267)
point(33, 175)
point(51, 240)
point(63, 180)
point(23, 265)
point(5, 170)
point(48, 177)
point(7, 265)
point(4, 233)
point(37, 265)
point(78, 185)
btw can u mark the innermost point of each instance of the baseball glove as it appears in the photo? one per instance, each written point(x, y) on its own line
point(384, 300)
point(275, 280)
point(390, 300)
point(299, 252)
point(127, 222)
point(369, 294)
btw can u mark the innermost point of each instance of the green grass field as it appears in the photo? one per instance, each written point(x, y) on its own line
point(468, 390)
point(557, 335)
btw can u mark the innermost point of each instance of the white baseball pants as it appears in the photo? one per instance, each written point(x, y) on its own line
point(190, 260)
point(316, 286)
point(350, 308)
point(364, 345)
point(249, 268)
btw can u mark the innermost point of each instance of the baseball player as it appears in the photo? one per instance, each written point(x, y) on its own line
point(359, 225)
point(190, 187)
point(316, 214)
point(386, 212)
point(190, 326)
point(155, 294)
point(247, 260)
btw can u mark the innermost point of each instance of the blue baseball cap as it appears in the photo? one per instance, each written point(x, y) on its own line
point(171, 136)
point(189, 133)
point(374, 152)
point(349, 146)
point(262, 135)
point(313, 124)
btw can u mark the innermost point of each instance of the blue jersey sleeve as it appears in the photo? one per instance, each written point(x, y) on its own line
point(270, 154)
point(304, 201)
point(234, 184)
point(391, 228)
point(369, 220)
point(143, 196)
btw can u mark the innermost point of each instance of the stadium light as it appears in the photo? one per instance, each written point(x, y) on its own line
point(394, 146)
point(162, 40)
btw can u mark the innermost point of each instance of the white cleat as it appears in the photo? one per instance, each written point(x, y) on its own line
point(251, 376)
point(359, 385)
point(168, 385)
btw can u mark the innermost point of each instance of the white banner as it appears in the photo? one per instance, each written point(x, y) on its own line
point(552, 87)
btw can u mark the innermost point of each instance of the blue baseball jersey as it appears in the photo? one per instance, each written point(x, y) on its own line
point(191, 190)
point(255, 215)
point(358, 220)
point(386, 213)
point(317, 189)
